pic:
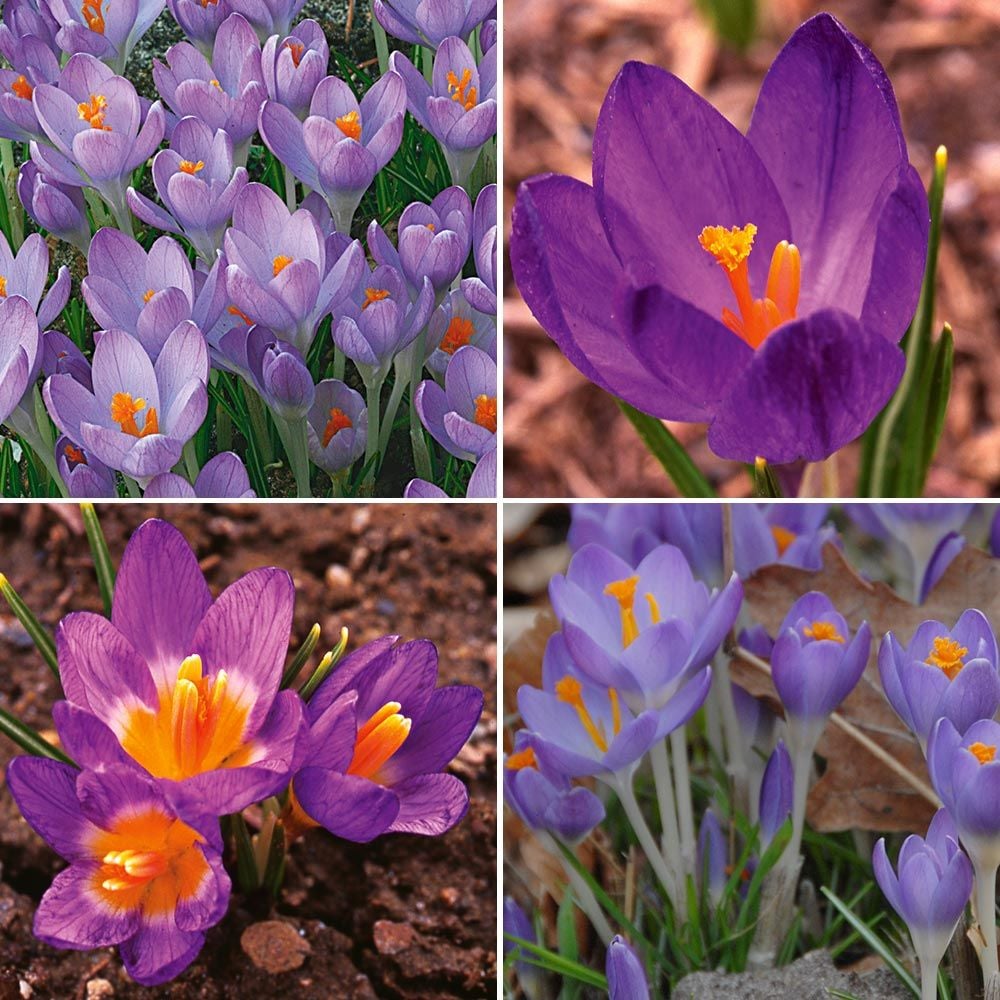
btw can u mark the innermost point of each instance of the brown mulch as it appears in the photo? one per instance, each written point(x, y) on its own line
point(565, 437)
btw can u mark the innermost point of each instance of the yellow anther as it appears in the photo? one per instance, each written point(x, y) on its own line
point(189, 167)
point(378, 739)
point(349, 124)
point(338, 421)
point(373, 295)
point(948, 656)
point(654, 609)
point(570, 691)
point(623, 591)
point(521, 759)
point(616, 711)
point(280, 263)
point(823, 630)
point(3, 286)
point(486, 412)
point(983, 752)
point(782, 538)
point(149, 294)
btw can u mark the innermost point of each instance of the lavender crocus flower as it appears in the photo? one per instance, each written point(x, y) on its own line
point(282, 273)
point(198, 185)
point(434, 240)
point(459, 107)
point(139, 415)
point(193, 698)
point(269, 17)
point(58, 208)
point(453, 325)
point(942, 673)
point(24, 21)
point(294, 66)
point(95, 123)
point(430, 23)
point(635, 278)
point(20, 353)
point(713, 857)
point(517, 924)
point(626, 977)
point(143, 874)
point(223, 477)
point(481, 291)
point(35, 64)
point(279, 374)
point(25, 275)
point(108, 29)
point(488, 33)
point(86, 477)
point(482, 482)
point(380, 734)
point(776, 794)
point(342, 144)
point(462, 417)
point(338, 426)
point(226, 93)
point(61, 356)
point(930, 892)
point(200, 20)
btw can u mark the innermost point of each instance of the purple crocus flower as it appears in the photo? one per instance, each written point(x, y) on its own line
point(24, 20)
point(648, 631)
point(95, 123)
point(108, 29)
point(226, 93)
point(143, 874)
point(58, 208)
point(453, 325)
point(193, 696)
point(139, 415)
point(198, 185)
point(35, 64)
point(61, 356)
point(25, 274)
point(200, 20)
point(294, 66)
point(488, 33)
point(282, 273)
point(626, 977)
point(516, 923)
point(342, 144)
point(85, 476)
point(482, 483)
point(223, 477)
point(459, 107)
point(269, 17)
point(930, 892)
point(775, 805)
point(380, 733)
point(20, 352)
point(481, 291)
point(636, 278)
point(434, 240)
point(713, 857)
point(337, 426)
point(431, 22)
point(942, 673)
point(462, 417)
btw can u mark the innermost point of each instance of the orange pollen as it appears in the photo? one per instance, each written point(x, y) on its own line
point(782, 538)
point(982, 752)
point(521, 759)
point(280, 263)
point(123, 411)
point(349, 124)
point(216, 84)
point(93, 112)
point(462, 90)
point(570, 691)
point(374, 295)
point(297, 49)
point(21, 88)
point(823, 630)
point(486, 412)
point(91, 11)
point(757, 317)
point(75, 454)
point(3, 286)
point(338, 422)
point(188, 167)
point(233, 311)
point(149, 294)
point(378, 739)
point(623, 591)
point(431, 227)
point(458, 334)
point(948, 656)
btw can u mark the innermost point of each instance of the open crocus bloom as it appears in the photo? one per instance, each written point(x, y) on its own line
point(294, 66)
point(337, 426)
point(25, 274)
point(759, 283)
point(430, 22)
point(182, 686)
point(108, 29)
point(141, 875)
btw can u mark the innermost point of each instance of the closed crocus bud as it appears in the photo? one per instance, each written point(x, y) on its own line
point(337, 427)
point(775, 794)
point(481, 291)
point(294, 66)
point(942, 673)
point(432, 22)
point(56, 207)
point(933, 884)
point(86, 476)
point(200, 21)
point(488, 34)
point(269, 17)
point(713, 857)
point(20, 352)
point(516, 923)
point(281, 375)
point(60, 356)
point(626, 978)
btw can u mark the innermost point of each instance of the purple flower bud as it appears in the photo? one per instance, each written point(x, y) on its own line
point(104, 28)
point(20, 352)
point(60, 356)
point(516, 923)
point(453, 325)
point(34, 64)
point(294, 66)
point(269, 17)
point(200, 21)
point(56, 207)
point(337, 426)
point(25, 275)
point(626, 978)
point(431, 22)
point(86, 477)
point(775, 794)
point(712, 857)
point(459, 108)
point(481, 291)
point(488, 34)
point(25, 23)
point(223, 477)
point(280, 374)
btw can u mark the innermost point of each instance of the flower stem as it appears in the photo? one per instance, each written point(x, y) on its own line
point(294, 437)
point(258, 422)
point(928, 981)
point(685, 808)
point(373, 396)
point(395, 398)
point(421, 456)
point(801, 762)
point(582, 892)
point(24, 425)
point(723, 690)
point(670, 839)
point(15, 213)
point(986, 879)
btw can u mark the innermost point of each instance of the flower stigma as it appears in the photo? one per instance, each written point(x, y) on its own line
point(458, 334)
point(93, 112)
point(783, 538)
point(462, 90)
point(823, 631)
point(280, 263)
point(350, 125)
point(983, 752)
point(189, 167)
point(338, 422)
point(486, 412)
point(297, 49)
point(21, 88)
point(92, 14)
point(373, 295)
point(378, 739)
point(123, 411)
point(947, 655)
point(521, 759)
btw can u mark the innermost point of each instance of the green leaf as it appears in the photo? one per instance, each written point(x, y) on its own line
point(568, 946)
point(734, 21)
point(764, 482)
point(937, 396)
point(103, 566)
point(553, 962)
point(669, 452)
point(301, 657)
point(28, 740)
point(39, 635)
point(325, 666)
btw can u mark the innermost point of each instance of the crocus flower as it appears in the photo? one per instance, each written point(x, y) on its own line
point(647, 282)
point(488, 33)
point(139, 415)
point(143, 874)
point(282, 273)
point(223, 477)
point(20, 352)
point(58, 208)
point(61, 356)
point(24, 20)
point(108, 29)
point(516, 924)
point(294, 66)
point(626, 977)
point(35, 64)
point(459, 107)
point(198, 185)
point(380, 733)
point(453, 325)
point(93, 119)
point(338, 426)
point(25, 274)
point(482, 482)
point(200, 20)
point(86, 477)
point(648, 631)
point(193, 697)
point(942, 673)
point(462, 417)
point(432, 22)
point(434, 240)
point(342, 144)
point(226, 93)
point(776, 788)
point(930, 892)
point(713, 857)
point(481, 291)
point(269, 17)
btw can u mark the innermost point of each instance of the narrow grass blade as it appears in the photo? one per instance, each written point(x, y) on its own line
point(28, 740)
point(545, 959)
point(39, 635)
point(301, 657)
point(103, 566)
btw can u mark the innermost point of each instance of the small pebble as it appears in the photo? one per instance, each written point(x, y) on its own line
point(99, 988)
point(392, 938)
point(449, 896)
point(339, 583)
point(274, 946)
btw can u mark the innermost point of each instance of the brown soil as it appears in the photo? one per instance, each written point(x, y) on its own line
point(404, 917)
point(565, 437)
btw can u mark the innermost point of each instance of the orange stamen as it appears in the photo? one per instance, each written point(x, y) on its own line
point(233, 311)
point(458, 334)
point(378, 739)
point(188, 167)
point(205, 3)
point(297, 50)
point(521, 759)
point(3, 287)
point(782, 538)
point(486, 412)
point(149, 294)
point(623, 591)
point(349, 124)
point(76, 455)
point(123, 411)
point(570, 691)
point(91, 11)
point(338, 421)
point(462, 90)
point(947, 655)
point(21, 88)
point(982, 752)
point(823, 630)
point(93, 112)
point(374, 295)
point(280, 263)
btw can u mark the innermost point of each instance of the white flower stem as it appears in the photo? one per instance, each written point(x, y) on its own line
point(801, 763)
point(928, 981)
point(986, 878)
point(671, 838)
point(685, 807)
point(723, 690)
point(582, 892)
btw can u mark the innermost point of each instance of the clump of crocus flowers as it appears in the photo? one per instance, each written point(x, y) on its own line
point(179, 710)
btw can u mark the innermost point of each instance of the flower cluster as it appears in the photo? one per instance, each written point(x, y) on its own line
point(176, 714)
point(244, 306)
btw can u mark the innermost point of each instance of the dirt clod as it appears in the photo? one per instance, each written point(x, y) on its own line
point(391, 938)
point(275, 946)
